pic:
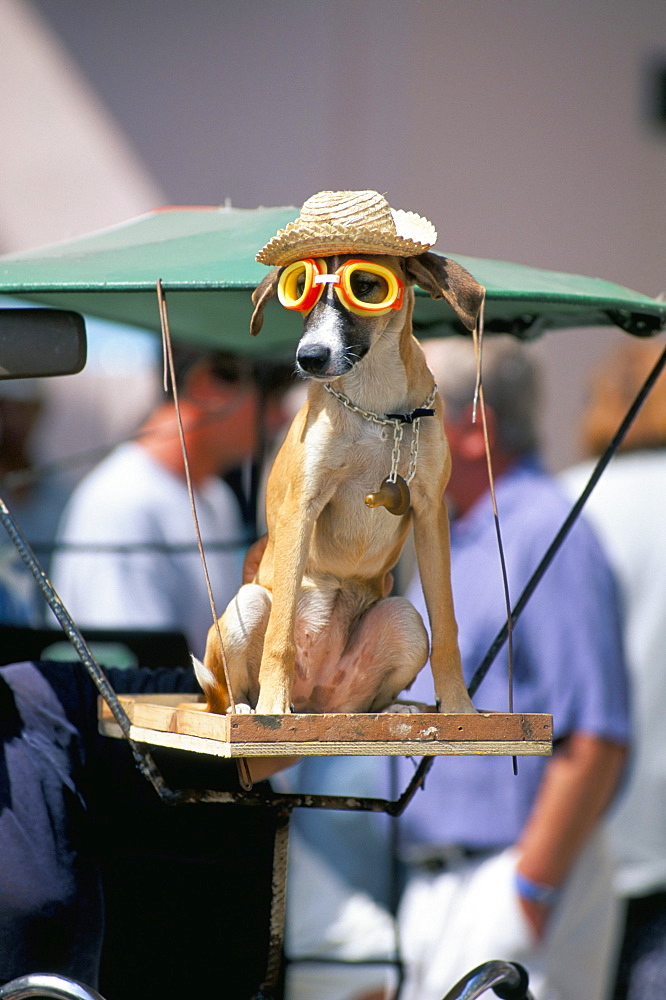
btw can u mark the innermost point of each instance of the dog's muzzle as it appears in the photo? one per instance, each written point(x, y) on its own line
point(313, 359)
point(318, 360)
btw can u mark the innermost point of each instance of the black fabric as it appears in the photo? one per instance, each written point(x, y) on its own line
point(11, 728)
point(642, 963)
point(50, 893)
point(151, 647)
point(186, 889)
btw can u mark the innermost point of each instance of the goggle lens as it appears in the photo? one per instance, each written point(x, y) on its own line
point(370, 287)
point(361, 285)
point(296, 287)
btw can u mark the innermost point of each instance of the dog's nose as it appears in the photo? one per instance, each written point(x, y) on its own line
point(313, 358)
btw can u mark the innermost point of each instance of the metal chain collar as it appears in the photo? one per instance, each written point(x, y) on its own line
point(398, 430)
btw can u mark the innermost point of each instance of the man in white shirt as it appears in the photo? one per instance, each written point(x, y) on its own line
point(129, 556)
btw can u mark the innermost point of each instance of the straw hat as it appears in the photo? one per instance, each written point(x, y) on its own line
point(349, 222)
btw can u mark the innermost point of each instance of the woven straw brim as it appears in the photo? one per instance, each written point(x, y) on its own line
point(324, 238)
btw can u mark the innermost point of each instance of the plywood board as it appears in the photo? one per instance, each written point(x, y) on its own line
point(168, 721)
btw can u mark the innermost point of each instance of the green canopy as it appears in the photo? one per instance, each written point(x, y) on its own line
point(200, 252)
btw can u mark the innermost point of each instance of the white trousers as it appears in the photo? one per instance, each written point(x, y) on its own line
point(454, 921)
point(327, 918)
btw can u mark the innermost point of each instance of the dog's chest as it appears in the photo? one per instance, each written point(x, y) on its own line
point(349, 537)
point(357, 459)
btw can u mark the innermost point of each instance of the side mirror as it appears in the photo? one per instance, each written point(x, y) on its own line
point(35, 343)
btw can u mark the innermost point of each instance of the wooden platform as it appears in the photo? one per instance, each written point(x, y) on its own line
point(164, 720)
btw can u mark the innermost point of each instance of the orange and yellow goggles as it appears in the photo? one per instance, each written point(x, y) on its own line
point(361, 285)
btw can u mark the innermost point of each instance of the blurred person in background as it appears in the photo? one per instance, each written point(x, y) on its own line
point(127, 555)
point(627, 509)
point(496, 865)
point(501, 865)
point(36, 502)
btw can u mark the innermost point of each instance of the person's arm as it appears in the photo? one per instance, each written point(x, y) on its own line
point(577, 787)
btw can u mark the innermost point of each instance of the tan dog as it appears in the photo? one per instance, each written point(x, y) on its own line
point(314, 631)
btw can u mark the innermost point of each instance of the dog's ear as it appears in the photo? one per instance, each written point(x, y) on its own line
point(445, 279)
point(260, 296)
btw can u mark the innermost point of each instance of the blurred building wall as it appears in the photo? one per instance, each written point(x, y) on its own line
point(66, 165)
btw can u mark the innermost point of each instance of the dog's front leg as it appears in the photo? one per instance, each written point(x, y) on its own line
point(431, 540)
point(292, 534)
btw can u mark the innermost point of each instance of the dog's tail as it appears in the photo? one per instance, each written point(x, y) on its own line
point(216, 696)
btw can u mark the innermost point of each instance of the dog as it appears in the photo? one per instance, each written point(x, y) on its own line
point(315, 631)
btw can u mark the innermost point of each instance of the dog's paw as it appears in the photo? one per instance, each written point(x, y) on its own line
point(242, 708)
point(274, 709)
point(456, 704)
point(404, 708)
point(276, 703)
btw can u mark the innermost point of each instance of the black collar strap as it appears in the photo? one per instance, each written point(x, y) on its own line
point(409, 418)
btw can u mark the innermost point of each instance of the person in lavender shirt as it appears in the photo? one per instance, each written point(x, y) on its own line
point(502, 865)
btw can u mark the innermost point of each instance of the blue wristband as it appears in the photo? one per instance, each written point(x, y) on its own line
point(535, 892)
